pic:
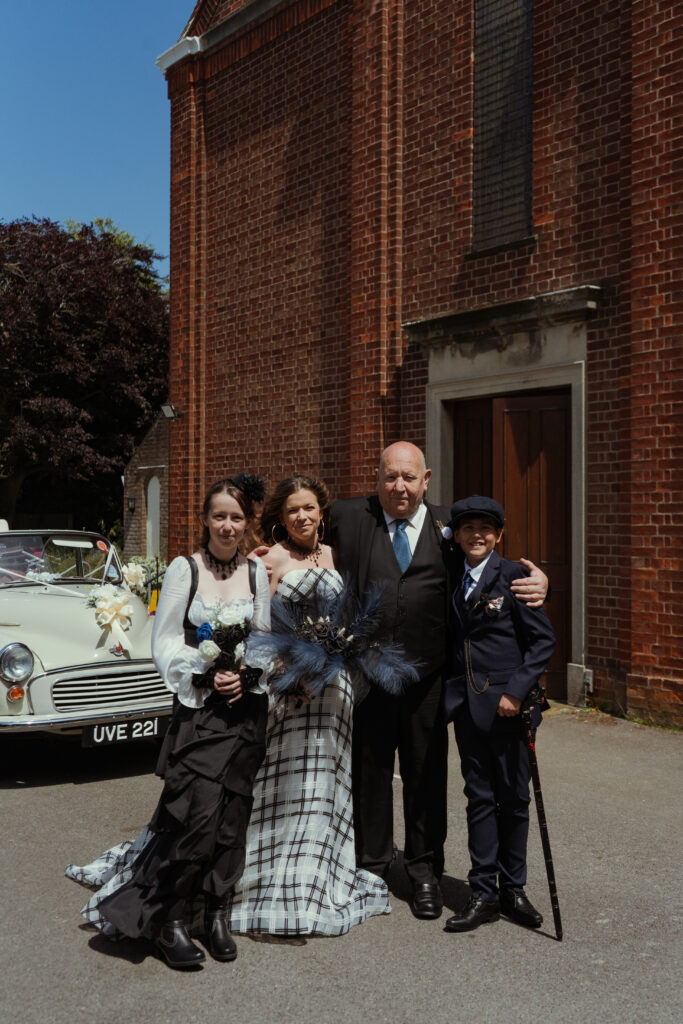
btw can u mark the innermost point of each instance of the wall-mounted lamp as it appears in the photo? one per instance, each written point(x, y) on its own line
point(131, 504)
point(170, 411)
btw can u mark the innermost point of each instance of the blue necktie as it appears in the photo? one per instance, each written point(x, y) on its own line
point(401, 545)
point(466, 580)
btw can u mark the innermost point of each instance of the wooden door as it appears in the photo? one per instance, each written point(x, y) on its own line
point(516, 448)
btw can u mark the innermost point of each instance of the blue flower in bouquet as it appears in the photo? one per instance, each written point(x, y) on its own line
point(204, 632)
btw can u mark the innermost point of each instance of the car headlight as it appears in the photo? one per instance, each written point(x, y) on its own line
point(16, 663)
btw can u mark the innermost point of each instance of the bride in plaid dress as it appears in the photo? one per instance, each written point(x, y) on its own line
point(300, 876)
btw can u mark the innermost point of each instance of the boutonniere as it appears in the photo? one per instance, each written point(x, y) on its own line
point(493, 606)
point(446, 531)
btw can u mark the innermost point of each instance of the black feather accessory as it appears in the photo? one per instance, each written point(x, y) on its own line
point(250, 485)
point(314, 640)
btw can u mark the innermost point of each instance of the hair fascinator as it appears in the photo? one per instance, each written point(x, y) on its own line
point(251, 485)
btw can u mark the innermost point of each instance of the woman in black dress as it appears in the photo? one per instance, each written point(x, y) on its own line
point(216, 741)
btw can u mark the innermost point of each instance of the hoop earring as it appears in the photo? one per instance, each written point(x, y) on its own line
point(275, 539)
point(321, 531)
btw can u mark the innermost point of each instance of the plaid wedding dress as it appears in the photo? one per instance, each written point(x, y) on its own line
point(300, 876)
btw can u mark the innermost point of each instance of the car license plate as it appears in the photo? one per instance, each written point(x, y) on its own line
point(106, 733)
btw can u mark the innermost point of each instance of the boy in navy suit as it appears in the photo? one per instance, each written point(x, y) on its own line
point(500, 648)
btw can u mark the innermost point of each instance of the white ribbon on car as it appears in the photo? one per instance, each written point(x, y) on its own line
point(113, 611)
point(24, 577)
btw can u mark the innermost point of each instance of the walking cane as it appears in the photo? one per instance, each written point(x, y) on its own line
point(537, 696)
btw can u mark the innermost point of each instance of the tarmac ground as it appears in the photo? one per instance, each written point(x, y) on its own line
point(612, 791)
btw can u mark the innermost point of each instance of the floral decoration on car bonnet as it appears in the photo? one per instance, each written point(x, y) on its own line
point(113, 611)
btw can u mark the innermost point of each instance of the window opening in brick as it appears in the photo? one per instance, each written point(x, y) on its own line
point(502, 168)
point(153, 516)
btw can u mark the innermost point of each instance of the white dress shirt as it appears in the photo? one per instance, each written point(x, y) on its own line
point(475, 573)
point(413, 528)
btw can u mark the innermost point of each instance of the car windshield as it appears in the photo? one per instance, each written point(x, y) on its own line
point(52, 557)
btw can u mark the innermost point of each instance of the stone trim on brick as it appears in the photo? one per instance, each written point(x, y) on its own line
point(567, 306)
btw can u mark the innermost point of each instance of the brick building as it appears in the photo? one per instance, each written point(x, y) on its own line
point(458, 223)
point(146, 495)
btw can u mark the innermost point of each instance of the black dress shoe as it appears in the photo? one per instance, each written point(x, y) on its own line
point(176, 946)
point(514, 904)
point(220, 943)
point(426, 901)
point(476, 911)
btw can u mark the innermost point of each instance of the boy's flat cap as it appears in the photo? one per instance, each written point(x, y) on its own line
point(477, 505)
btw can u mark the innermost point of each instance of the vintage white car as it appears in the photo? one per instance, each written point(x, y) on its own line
point(75, 651)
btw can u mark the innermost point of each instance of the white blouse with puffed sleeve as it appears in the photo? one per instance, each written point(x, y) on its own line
point(174, 659)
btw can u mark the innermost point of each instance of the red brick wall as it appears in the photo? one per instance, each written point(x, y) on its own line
point(262, 303)
point(185, 455)
point(278, 148)
point(578, 106)
point(656, 361)
point(213, 13)
point(321, 180)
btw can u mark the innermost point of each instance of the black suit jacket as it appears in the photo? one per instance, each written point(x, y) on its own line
point(416, 604)
point(492, 654)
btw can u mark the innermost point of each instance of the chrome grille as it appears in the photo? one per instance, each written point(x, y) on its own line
point(122, 687)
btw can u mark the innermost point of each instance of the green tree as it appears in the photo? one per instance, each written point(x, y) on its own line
point(83, 351)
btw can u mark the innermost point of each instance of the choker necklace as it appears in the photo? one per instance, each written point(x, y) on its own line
point(312, 553)
point(224, 569)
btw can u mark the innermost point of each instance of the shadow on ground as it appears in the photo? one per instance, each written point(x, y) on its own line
point(135, 951)
point(44, 759)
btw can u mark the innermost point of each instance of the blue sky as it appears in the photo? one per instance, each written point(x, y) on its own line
point(85, 119)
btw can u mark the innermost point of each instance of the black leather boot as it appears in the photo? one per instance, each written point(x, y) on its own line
point(176, 946)
point(220, 942)
point(515, 903)
point(476, 911)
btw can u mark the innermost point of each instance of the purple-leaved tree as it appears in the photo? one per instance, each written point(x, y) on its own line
point(83, 351)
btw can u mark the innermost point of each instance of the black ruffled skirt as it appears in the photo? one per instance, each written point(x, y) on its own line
point(208, 761)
